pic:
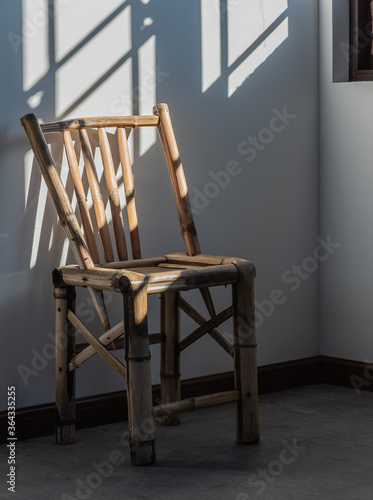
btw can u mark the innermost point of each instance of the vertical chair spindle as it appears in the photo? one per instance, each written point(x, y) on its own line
point(113, 192)
point(129, 189)
point(97, 199)
point(81, 196)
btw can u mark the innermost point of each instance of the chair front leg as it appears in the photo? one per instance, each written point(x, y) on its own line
point(245, 364)
point(170, 354)
point(64, 299)
point(139, 387)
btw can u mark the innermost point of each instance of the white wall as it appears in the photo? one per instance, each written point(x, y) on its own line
point(267, 213)
point(346, 109)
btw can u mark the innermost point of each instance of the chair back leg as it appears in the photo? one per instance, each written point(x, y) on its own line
point(170, 354)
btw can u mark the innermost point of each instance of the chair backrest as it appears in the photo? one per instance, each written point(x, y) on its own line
point(84, 244)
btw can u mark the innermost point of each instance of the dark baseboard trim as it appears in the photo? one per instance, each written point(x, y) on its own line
point(36, 421)
point(347, 373)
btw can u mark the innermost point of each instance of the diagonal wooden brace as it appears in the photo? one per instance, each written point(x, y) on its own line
point(106, 339)
point(112, 360)
point(206, 327)
point(198, 318)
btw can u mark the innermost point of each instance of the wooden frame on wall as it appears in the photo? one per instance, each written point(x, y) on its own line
point(361, 40)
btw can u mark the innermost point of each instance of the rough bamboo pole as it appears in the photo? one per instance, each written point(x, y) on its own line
point(112, 187)
point(57, 191)
point(186, 279)
point(129, 189)
point(246, 375)
point(196, 403)
point(175, 280)
point(206, 327)
point(206, 295)
point(125, 264)
point(203, 259)
point(154, 338)
point(180, 189)
point(107, 121)
point(97, 199)
point(195, 260)
point(178, 181)
point(89, 351)
point(170, 353)
point(198, 318)
point(81, 196)
point(139, 388)
point(113, 346)
point(64, 300)
point(97, 346)
point(62, 203)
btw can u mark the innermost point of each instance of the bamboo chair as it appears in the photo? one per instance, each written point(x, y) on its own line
point(167, 275)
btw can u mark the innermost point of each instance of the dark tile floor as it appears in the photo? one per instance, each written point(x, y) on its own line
point(316, 442)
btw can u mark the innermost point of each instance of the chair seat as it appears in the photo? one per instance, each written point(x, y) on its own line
point(172, 272)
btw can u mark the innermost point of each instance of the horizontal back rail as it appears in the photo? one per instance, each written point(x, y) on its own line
point(96, 122)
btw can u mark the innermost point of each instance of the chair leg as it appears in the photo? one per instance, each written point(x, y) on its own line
point(139, 388)
point(64, 299)
point(170, 354)
point(246, 377)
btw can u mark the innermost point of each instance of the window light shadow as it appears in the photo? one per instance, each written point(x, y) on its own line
point(85, 71)
point(238, 37)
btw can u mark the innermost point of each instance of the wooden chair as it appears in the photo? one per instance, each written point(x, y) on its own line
point(135, 279)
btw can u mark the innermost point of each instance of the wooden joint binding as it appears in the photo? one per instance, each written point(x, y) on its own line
point(139, 359)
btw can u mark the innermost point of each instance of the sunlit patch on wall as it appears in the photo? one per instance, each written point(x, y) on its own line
point(210, 42)
point(35, 100)
point(40, 211)
point(247, 21)
point(27, 167)
point(147, 92)
point(238, 36)
point(257, 57)
point(35, 47)
point(96, 70)
point(82, 25)
point(86, 69)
